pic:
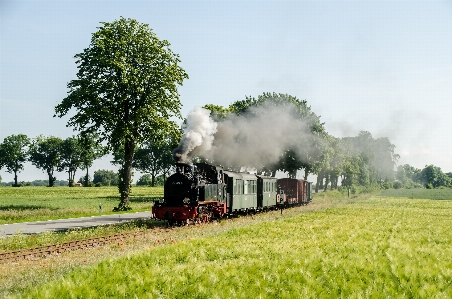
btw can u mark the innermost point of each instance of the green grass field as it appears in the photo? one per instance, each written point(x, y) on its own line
point(437, 194)
point(365, 247)
point(26, 204)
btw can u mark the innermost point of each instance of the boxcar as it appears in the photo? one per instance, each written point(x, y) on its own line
point(294, 192)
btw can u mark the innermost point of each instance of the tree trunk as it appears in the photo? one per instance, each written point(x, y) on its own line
point(306, 173)
point(51, 178)
point(71, 178)
point(15, 179)
point(126, 175)
point(327, 181)
point(320, 180)
point(86, 177)
point(317, 184)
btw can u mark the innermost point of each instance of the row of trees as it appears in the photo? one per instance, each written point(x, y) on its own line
point(71, 154)
point(349, 161)
point(360, 160)
point(431, 177)
point(49, 154)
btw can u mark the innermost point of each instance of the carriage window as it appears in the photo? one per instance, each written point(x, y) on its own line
point(239, 186)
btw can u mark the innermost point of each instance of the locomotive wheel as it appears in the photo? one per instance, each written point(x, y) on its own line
point(206, 217)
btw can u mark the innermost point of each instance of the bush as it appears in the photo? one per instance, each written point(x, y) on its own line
point(387, 185)
point(99, 184)
point(144, 180)
point(398, 185)
point(106, 177)
point(83, 180)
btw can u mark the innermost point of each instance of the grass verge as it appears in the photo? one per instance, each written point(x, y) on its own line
point(27, 204)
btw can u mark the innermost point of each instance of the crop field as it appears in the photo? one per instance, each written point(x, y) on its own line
point(364, 247)
point(437, 194)
point(27, 204)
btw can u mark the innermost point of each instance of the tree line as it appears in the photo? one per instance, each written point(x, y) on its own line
point(68, 155)
point(349, 161)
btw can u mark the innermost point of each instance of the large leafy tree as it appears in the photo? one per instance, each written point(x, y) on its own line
point(105, 177)
point(126, 90)
point(432, 176)
point(91, 150)
point(156, 157)
point(71, 157)
point(13, 154)
point(45, 153)
point(367, 161)
point(298, 157)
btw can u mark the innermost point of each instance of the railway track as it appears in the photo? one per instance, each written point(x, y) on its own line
point(47, 250)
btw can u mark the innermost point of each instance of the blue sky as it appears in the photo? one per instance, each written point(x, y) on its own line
point(380, 66)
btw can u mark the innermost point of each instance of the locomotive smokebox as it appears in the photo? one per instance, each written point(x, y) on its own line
point(184, 168)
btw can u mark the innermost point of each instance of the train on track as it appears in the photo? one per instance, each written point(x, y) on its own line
point(201, 192)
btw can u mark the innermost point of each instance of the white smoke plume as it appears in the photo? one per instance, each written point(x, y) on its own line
point(198, 133)
point(254, 139)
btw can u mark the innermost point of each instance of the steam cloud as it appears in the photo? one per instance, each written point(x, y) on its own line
point(198, 134)
point(254, 139)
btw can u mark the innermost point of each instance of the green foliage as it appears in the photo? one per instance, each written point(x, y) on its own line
point(126, 90)
point(156, 157)
point(45, 153)
point(433, 177)
point(92, 150)
point(85, 180)
point(71, 157)
point(398, 185)
point(14, 153)
point(105, 177)
point(217, 112)
point(295, 158)
point(144, 180)
point(366, 161)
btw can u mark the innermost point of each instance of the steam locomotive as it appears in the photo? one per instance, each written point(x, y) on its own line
point(202, 192)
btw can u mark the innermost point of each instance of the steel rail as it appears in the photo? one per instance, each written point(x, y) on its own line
point(46, 250)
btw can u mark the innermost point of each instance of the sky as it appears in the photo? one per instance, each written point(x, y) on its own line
point(378, 66)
